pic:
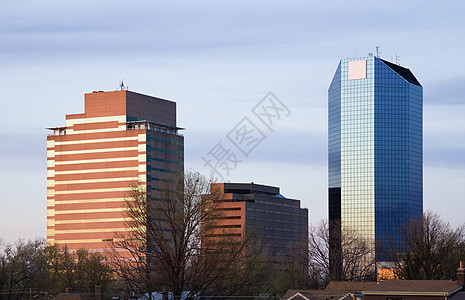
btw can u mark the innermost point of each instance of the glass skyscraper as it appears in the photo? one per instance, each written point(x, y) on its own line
point(375, 151)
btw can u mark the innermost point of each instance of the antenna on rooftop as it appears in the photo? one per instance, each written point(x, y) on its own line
point(377, 51)
point(397, 60)
point(122, 87)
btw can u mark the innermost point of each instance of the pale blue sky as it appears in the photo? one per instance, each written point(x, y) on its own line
point(217, 59)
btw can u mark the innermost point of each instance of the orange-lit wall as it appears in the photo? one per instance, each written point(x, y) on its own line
point(91, 169)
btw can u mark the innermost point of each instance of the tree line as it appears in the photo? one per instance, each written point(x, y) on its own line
point(430, 249)
point(33, 269)
point(177, 245)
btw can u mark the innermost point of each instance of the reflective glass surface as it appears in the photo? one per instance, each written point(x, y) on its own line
point(375, 150)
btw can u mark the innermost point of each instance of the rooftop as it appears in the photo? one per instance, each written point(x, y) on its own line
point(423, 287)
point(403, 72)
point(251, 188)
point(334, 290)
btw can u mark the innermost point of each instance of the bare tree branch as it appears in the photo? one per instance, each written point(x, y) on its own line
point(358, 262)
point(431, 249)
point(175, 243)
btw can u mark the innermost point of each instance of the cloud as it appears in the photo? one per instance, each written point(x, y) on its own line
point(23, 151)
point(445, 157)
point(443, 192)
point(284, 146)
point(447, 92)
point(87, 27)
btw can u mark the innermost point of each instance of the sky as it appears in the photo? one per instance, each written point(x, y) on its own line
point(218, 60)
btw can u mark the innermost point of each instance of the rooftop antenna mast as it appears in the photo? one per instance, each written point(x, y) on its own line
point(377, 51)
point(122, 87)
point(397, 60)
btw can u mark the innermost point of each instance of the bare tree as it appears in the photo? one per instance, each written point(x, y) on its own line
point(357, 255)
point(22, 265)
point(431, 249)
point(164, 250)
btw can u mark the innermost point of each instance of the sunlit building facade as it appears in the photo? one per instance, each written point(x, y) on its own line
point(123, 139)
point(375, 151)
point(260, 211)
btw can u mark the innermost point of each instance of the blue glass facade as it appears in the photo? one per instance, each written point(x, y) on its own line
point(375, 149)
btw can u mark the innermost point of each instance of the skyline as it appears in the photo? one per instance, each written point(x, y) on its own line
point(216, 59)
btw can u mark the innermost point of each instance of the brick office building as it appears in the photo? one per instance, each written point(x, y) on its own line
point(123, 138)
point(261, 211)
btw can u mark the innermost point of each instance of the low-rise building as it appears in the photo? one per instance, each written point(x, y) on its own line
point(387, 290)
point(250, 209)
point(413, 290)
point(340, 290)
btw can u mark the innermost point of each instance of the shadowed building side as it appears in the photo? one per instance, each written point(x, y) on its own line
point(260, 211)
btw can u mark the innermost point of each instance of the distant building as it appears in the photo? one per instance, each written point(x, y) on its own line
point(261, 211)
point(123, 139)
point(375, 111)
point(386, 271)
